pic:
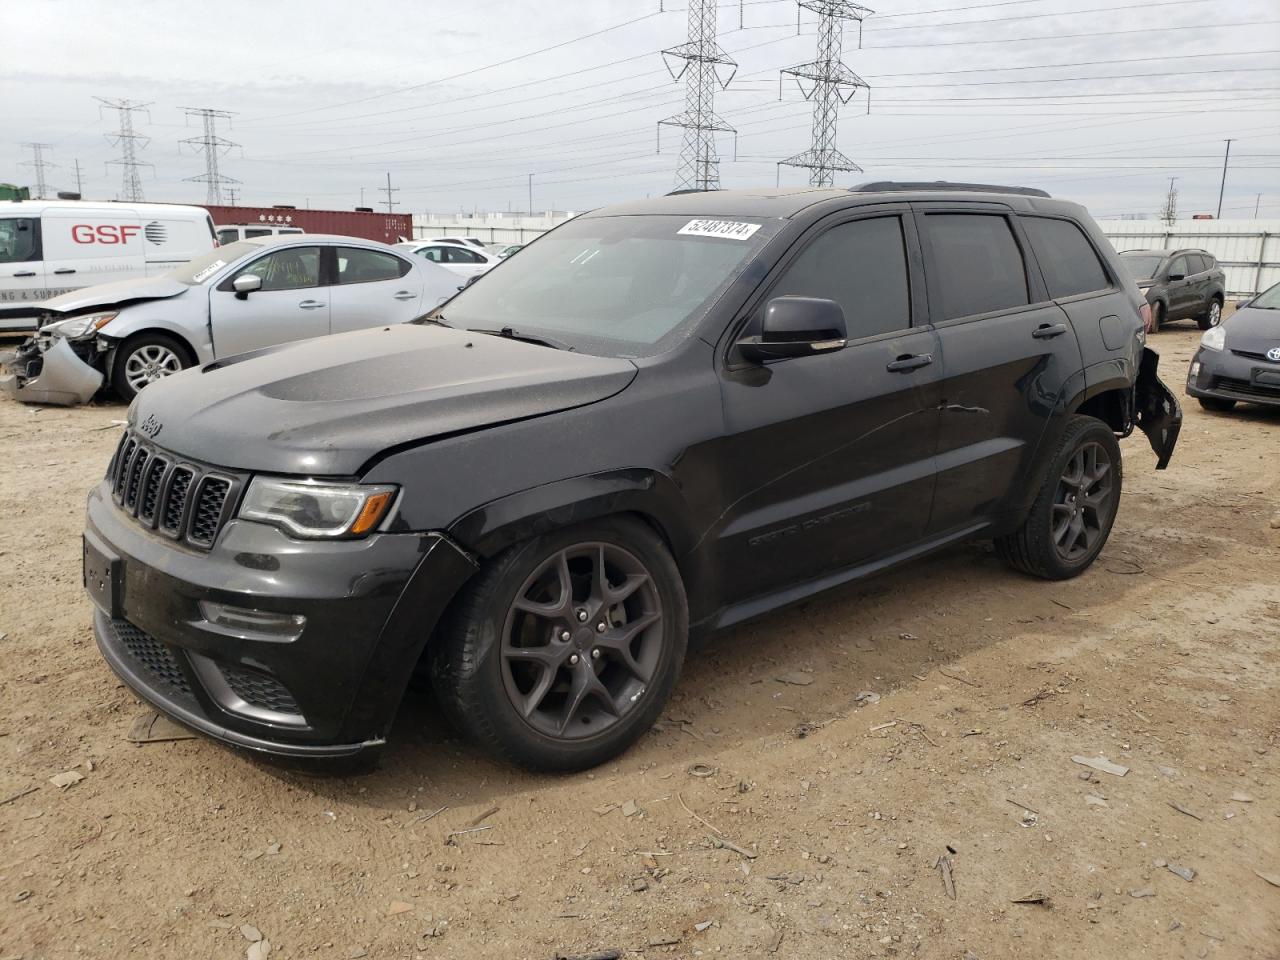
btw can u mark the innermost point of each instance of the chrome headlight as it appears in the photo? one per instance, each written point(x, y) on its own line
point(1215, 338)
point(79, 328)
point(316, 509)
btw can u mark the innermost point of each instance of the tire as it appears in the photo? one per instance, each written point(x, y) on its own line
point(1036, 548)
point(506, 676)
point(1157, 316)
point(1212, 316)
point(1217, 404)
point(145, 358)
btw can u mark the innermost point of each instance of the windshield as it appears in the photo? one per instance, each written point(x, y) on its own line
point(202, 268)
point(613, 286)
point(1269, 299)
point(1142, 266)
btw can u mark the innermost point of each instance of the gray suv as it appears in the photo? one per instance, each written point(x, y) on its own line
point(1179, 285)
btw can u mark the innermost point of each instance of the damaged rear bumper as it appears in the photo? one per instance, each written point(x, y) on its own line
point(55, 376)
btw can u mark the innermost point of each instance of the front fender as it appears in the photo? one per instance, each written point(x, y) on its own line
point(156, 316)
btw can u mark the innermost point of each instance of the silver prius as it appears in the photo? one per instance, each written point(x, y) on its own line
point(241, 297)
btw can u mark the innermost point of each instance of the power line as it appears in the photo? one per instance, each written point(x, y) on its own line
point(39, 164)
point(833, 83)
point(699, 166)
point(129, 143)
point(212, 146)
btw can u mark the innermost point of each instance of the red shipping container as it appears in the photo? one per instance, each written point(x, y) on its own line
point(387, 227)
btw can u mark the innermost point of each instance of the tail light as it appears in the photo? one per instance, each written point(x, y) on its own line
point(1144, 312)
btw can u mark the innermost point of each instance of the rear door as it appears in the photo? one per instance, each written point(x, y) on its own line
point(22, 280)
point(1006, 352)
point(84, 247)
point(831, 456)
point(465, 262)
point(372, 287)
point(293, 303)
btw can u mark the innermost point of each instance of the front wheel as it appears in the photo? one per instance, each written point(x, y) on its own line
point(1157, 316)
point(1212, 317)
point(564, 649)
point(1071, 517)
point(144, 359)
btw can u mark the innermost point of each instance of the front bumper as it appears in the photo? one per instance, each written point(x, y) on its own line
point(1226, 375)
point(55, 375)
point(369, 606)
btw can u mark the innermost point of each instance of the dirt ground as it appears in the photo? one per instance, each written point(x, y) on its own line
point(938, 714)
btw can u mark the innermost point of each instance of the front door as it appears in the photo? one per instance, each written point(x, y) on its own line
point(371, 288)
point(831, 456)
point(22, 282)
point(292, 304)
point(1007, 350)
point(1182, 292)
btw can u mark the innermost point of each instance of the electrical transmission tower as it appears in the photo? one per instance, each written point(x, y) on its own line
point(129, 143)
point(699, 167)
point(831, 84)
point(1169, 212)
point(212, 146)
point(39, 164)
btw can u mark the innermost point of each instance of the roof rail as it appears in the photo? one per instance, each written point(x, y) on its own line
point(680, 193)
point(892, 186)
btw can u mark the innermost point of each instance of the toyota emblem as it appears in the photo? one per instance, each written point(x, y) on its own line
point(1274, 354)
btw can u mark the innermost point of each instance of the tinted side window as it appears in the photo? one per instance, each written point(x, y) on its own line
point(860, 265)
point(19, 240)
point(228, 236)
point(367, 266)
point(1067, 260)
point(256, 232)
point(1209, 262)
point(291, 269)
point(432, 253)
point(1201, 263)
point(460, 255)
point(1179, 267)
point(977, 265)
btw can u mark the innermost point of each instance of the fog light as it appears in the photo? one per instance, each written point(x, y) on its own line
point(248, 624)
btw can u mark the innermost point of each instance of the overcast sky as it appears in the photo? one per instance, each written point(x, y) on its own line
point(1108, 101)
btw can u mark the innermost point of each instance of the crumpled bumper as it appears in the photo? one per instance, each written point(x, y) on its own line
point(64, 379)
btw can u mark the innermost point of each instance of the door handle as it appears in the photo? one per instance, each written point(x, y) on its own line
point(909, 362)
point(65, 270)
point(311, 305)
point(1047, 331)
point(405, 295)
point(25, 273)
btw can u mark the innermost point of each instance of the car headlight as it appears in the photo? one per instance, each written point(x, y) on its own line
point(79, 328)
point(1215, 338)
point(315, 509)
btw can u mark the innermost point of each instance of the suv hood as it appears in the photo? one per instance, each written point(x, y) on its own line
point(1253, 329)
point(326, 407)
point(115, 294)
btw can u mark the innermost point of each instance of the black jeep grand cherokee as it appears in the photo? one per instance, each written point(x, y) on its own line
point(660, 419)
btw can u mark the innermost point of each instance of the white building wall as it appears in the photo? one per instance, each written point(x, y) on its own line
point(1247, 250)
point(490, 228)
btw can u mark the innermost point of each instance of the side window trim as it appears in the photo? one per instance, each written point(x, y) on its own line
point(1037, 295)
point(916, 295)
point(1112, 284)
point(402, 266)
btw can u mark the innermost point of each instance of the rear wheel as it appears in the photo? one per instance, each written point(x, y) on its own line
point(1072, 515)
point(1157, 316)
point(146, 358)
point(564, 649)
point(1217, 404)
point(1212, 317)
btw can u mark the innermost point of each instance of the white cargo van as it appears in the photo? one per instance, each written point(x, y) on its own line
point(50, 247)
point(247, 231)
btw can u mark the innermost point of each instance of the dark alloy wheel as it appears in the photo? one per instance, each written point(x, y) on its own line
point(565, 647)
point(581, 641)
point(1071, 516)
point(1083, 507)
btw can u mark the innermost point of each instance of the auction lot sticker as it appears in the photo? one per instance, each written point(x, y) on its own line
point(728, 229)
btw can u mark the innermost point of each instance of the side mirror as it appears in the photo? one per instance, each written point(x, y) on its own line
point(796, 327)
point(245, 284)
point(1173, 277)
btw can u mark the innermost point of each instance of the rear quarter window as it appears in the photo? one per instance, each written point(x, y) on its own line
point(1067, 260)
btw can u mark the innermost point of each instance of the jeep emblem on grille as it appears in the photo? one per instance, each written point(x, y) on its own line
point(151, 426)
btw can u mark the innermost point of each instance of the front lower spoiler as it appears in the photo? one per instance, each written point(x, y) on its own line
point(1158, 414)
point(64, 379)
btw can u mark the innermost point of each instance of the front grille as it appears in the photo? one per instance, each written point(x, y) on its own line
point(153, 656)
point(1246, 389)
point(186, 501)
point(1253, 355)
point(259, 690)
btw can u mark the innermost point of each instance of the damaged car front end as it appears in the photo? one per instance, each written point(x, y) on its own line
point(63, 364)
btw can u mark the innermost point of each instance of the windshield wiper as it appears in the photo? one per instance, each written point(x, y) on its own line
point(436, 321)
point(511, 334)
